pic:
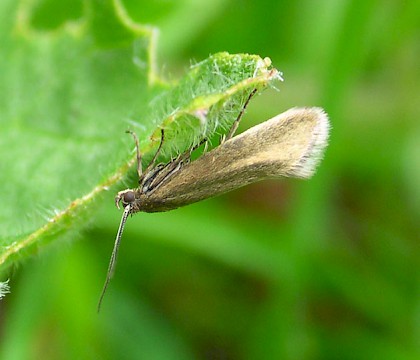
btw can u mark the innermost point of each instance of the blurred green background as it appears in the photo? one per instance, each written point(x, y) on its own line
point(318, 269)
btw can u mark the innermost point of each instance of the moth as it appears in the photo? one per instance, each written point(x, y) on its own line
point(290, 144)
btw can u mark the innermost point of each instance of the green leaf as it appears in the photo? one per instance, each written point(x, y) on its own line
point(70, 88)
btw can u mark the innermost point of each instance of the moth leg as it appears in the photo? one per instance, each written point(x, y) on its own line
point(152, 163)
point(206, 145)
point(158, 175)
point(238, 119)
point(204, 141)
point(187, 155)
point(136, 140)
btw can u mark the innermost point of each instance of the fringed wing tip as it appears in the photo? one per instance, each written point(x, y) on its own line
point(307, 164)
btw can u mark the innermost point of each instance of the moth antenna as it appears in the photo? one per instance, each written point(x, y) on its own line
point(113, 259)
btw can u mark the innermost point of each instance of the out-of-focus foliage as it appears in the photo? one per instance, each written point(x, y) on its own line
point(318, 269)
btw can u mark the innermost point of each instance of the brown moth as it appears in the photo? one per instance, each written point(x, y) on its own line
point(290, 144)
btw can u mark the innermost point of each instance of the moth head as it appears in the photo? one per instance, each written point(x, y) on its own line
point(126, 197)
